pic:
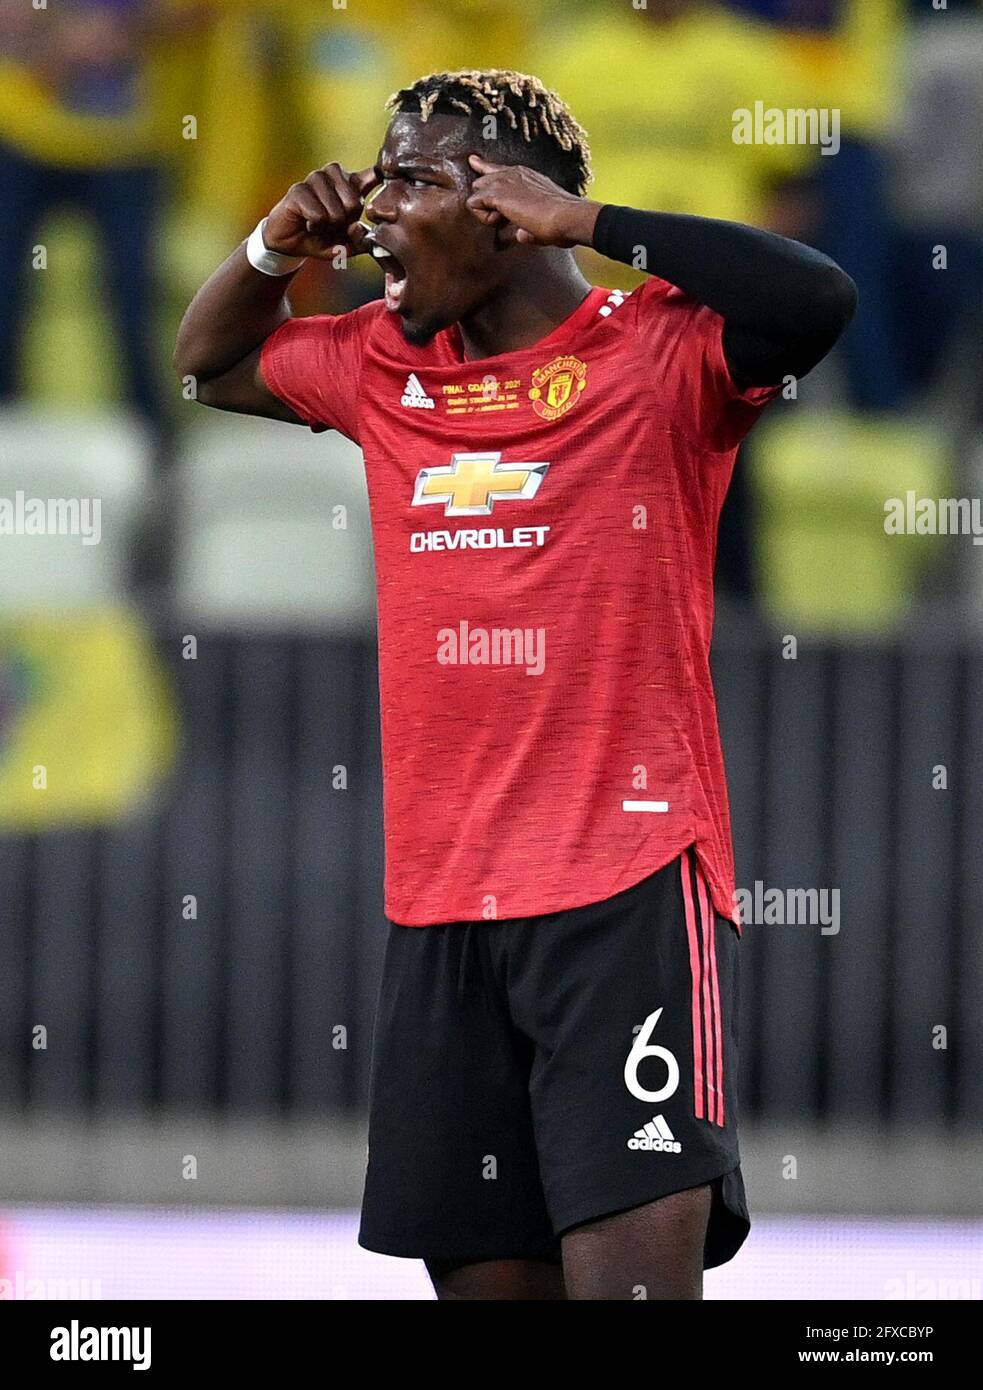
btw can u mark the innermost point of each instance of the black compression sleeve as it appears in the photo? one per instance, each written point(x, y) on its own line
point(784, 304)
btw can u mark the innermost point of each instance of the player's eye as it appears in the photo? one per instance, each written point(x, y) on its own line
point(419, 183)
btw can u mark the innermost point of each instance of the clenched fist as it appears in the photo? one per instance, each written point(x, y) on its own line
point(317, 216)
point(526, 206)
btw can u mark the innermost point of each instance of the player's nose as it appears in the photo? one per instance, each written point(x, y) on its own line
point(378, 206)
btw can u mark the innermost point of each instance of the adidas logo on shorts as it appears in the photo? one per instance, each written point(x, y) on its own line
point(656, 1136)
point(414, 394)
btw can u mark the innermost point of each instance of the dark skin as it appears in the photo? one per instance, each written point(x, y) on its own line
point(486, 246)
point(653, 1251)
point(444, 213)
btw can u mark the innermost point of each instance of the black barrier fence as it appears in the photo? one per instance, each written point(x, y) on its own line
point(261, 997)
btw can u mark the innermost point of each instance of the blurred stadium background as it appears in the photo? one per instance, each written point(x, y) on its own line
point(190, 826)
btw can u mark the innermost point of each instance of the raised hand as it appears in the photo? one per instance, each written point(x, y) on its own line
point(315, 217)
point(527, 207)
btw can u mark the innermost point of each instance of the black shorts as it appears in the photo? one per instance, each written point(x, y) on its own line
point(533, 1074)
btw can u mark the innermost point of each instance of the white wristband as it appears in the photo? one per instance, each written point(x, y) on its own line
point(260, 257)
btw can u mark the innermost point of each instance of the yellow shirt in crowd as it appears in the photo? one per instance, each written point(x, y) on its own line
point(658, 100)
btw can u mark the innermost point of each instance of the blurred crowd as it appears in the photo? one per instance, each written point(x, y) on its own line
point(141, 139)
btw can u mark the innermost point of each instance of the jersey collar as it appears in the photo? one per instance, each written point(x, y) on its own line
point(572, 324)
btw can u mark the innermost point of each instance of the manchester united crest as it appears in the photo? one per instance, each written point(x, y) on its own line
point(556, 387)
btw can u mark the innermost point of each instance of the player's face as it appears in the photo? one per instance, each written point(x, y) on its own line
point(443, 262)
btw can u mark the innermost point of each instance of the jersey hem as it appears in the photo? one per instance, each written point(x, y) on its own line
point(408, 917)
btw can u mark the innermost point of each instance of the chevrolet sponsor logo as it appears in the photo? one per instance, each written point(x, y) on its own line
point(471, 484)
point(487, 538)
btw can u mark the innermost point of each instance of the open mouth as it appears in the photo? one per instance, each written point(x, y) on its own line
point(395, 276)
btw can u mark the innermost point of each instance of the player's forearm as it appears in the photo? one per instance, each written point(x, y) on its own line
point(233, 313)
point(784, 304)
point(749, 276)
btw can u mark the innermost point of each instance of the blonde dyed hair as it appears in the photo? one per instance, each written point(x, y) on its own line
point(540, 128)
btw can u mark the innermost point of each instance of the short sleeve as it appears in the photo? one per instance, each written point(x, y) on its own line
point(682, 341)
point(314, 365)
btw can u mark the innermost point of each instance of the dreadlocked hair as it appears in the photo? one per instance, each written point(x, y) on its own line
point(532, 125)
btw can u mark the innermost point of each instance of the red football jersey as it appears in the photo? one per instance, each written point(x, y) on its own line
point(545, 526)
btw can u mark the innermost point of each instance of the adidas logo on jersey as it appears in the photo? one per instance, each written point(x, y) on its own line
point(414, 394)
point(656, 1137)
